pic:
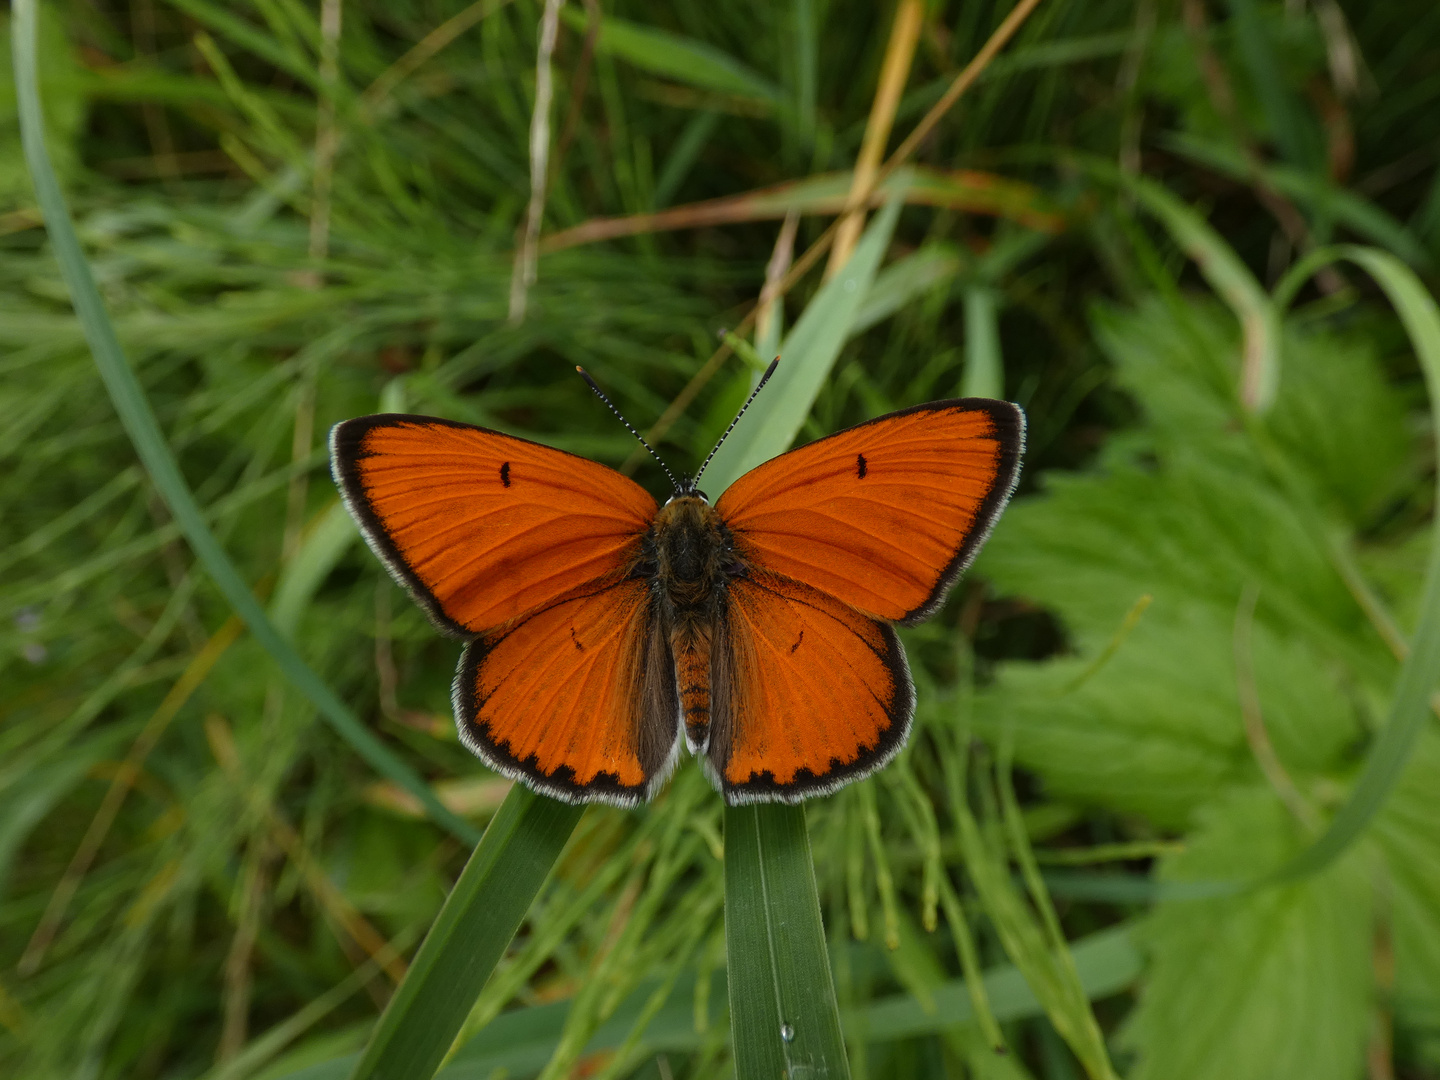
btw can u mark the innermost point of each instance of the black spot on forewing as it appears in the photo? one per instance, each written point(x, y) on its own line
point(860, 467)
point(576, 640)
point(801, 638)
point(505, 474)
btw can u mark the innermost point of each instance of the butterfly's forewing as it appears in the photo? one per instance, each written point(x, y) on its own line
point(806, 692)
point(883, 516)
point(578, 699)
point(482, 526)
point(524, 549)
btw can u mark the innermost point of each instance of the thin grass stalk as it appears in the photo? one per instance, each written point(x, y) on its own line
point(524, 271)
point(884, 880)
point(972, 71)
point(120, 786)
point(894, 71)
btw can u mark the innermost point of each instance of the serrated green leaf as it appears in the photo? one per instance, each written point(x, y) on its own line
point(1408, 833)
point(1270, 983)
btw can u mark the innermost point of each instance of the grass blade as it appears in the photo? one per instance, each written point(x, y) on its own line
point(144, 431)
point(806, 357)
point(695, 63)
point(984, 366)
point(1230, 277)
point(469, 936)
point(783, 1017)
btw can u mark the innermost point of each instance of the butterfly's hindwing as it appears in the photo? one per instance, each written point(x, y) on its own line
point(577, 700)
point(806, 693)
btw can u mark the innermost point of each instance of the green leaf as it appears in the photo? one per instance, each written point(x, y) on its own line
point(672, 56)
point(1184, 512)
point(144, 431)
point(469, 936)
point(1408, 834)
point(1270, 983)
point(1410, 702)
point(806, 357)
point(783, 1017)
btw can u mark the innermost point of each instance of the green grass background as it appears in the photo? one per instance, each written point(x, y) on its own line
point(1170, 663)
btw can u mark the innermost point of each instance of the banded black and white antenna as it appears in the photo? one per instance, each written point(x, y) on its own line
point(753, 393)
point(679, 489)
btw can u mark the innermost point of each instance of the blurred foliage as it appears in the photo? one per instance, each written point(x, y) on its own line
point(234, 872)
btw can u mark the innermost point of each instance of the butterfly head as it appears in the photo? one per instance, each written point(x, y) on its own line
point(687, 490)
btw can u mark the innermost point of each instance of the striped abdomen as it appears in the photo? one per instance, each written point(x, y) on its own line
point(691, 645)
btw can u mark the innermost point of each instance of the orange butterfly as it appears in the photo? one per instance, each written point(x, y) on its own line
point(597, 620)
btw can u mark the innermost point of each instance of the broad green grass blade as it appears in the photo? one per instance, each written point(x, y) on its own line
point(984, 368)
point(144, 431)
point(783, 1017)
point(903, 281)
point(320, 549)
point(468, 937)
point(806, 357)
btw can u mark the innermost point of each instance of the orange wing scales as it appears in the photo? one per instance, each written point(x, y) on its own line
point(564, 698)
point(481, 526)
point(886, 515)
point(811, 694)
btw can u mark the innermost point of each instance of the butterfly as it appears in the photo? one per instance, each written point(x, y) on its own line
point(604, 630)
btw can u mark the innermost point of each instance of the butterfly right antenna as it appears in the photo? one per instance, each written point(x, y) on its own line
point(758, 387)
point(601, 395)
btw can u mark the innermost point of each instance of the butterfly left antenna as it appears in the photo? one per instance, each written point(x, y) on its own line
point(619, 416)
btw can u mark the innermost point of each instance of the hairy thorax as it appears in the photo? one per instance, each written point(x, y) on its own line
point(693, 559)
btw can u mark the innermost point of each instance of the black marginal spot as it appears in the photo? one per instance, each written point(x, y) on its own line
point(860, 466)
point(576, 640)
point(505, 474)
point(801, 638)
